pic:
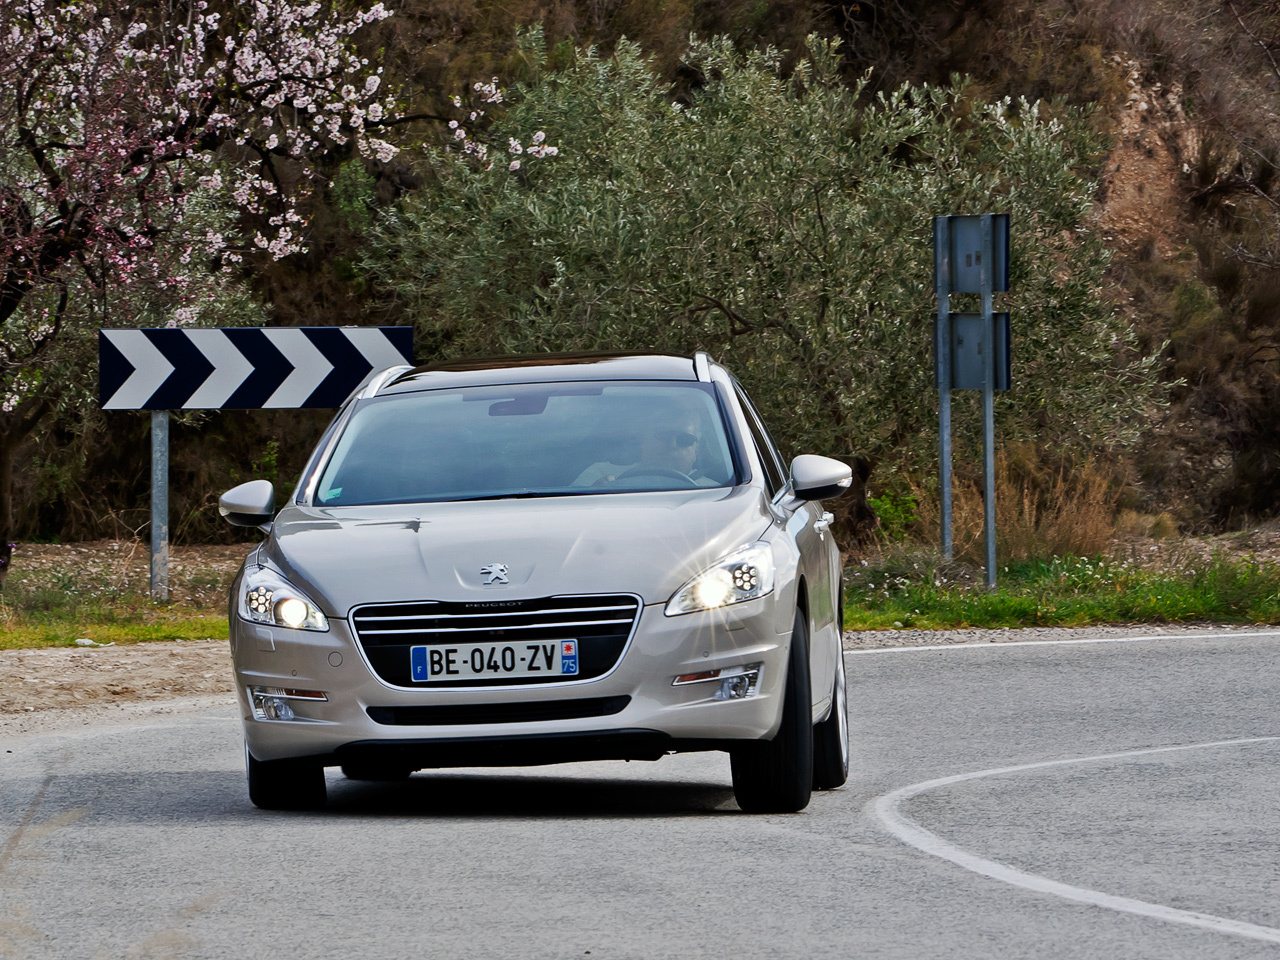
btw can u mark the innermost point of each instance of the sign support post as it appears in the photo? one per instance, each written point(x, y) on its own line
point(988, 403)
point(970, 255)
point(159, 504)
point(942, 350)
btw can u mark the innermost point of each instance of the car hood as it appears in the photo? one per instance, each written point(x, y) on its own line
point(643, 543)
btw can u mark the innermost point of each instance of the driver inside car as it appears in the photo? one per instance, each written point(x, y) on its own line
point(669, 445)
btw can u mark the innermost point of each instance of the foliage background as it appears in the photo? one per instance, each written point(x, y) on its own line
point(1200, 292)
point(781, 221)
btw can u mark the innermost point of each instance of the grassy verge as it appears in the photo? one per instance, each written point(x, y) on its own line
point(65, 599)
point(18, 632)
point(907, 591)
point(107, 619)
point(52, 601)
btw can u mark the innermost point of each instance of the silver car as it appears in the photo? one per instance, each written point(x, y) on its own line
point(533, 560)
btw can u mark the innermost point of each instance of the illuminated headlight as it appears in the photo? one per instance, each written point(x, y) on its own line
point(266, 597)
point(745, 574)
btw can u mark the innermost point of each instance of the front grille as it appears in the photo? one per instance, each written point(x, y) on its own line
point(530, 712)
point(600, 624)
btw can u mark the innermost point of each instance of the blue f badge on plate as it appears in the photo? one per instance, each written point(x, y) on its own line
point(568, 657)
point(418, 663)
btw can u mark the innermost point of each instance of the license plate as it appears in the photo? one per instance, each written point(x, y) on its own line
point(489, 661)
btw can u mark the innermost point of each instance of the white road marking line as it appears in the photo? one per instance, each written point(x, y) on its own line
point(885, 809)
point(993, 644)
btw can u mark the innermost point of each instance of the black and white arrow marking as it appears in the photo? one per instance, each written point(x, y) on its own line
point(242, 368)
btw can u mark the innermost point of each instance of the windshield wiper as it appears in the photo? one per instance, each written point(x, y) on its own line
point(519, 495)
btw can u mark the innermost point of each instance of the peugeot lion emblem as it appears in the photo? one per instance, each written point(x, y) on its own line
point(494, 573)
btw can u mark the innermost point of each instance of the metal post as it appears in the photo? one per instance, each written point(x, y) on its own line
point(988, 399)
point(160, 504)
point(942, 283)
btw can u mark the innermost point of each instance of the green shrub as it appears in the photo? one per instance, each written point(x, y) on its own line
point(896, 513)
point(782, 222)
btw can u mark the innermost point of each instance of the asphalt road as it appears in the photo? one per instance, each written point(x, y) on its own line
point(1007, 801)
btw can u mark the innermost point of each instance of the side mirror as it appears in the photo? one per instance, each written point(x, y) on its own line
point(251, 504)
point(819, 478)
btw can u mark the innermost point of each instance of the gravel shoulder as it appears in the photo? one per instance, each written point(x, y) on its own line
point(873, 639)
point(48, 688)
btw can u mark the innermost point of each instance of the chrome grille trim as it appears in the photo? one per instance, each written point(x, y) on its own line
point(464, 616)
point(503, 629)
point(432, 621)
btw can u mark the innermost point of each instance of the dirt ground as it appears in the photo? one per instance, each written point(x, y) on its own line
point(75, 678)
point(62, 677)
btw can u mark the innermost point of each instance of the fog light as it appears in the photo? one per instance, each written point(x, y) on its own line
point(743, 683)
point(273, 708)
point(271, 703)
point(734, 688)
point(735, 683)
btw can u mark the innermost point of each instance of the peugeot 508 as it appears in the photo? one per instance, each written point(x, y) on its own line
point(530, 560)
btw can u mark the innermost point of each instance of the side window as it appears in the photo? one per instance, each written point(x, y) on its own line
point(775, 479)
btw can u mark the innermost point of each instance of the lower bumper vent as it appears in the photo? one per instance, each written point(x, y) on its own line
point(530, 712)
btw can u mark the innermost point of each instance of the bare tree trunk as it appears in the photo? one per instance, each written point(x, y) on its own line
point(7, 453)
point(855, 523)
point(15, 426)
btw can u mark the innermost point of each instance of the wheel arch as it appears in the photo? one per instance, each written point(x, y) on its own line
point(802, 601)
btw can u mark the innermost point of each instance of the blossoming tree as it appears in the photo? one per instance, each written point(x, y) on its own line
point(146, 149)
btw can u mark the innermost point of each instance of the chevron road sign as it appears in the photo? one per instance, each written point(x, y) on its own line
point(234, 368)
point(242, 368)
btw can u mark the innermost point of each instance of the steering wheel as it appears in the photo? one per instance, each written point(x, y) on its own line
point(654, 470)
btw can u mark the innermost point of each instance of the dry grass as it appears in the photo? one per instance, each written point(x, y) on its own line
point(1063, 512)
point(56, 594)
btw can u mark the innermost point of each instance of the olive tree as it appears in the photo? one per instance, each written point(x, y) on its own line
point(781, 222)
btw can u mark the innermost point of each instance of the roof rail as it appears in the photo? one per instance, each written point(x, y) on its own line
point(702, 366)
point(381, 379)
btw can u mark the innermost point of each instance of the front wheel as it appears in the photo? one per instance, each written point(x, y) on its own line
point(831, 738)
point(776, 776)
point(285, 784)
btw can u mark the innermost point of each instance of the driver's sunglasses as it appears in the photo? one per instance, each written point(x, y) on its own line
point(681, 438)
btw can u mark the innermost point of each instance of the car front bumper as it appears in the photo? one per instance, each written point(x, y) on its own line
point(635, 711)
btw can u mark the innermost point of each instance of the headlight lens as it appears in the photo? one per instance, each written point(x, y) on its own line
point(267, 597)
point(743, 575)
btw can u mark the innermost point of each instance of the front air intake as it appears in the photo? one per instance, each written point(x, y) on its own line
point(529, 712)
point(600, 626)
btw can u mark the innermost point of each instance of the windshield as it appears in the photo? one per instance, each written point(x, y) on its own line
point(529, 440)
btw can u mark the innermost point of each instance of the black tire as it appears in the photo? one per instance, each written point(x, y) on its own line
point(831, 738)
point(776, 776)
point(285, 784)
point(375, 772)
